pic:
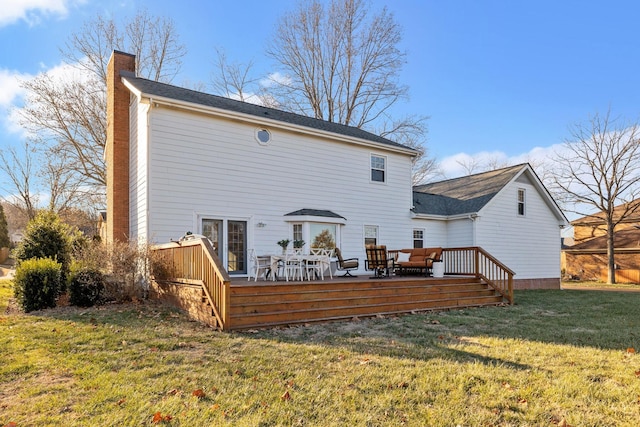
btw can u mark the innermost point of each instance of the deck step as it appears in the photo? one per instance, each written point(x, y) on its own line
point(265, 304)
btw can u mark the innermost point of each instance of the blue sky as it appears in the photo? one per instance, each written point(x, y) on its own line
point(504, 77)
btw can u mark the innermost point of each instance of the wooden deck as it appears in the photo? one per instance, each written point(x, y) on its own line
point(266, 304)
point(197, 283)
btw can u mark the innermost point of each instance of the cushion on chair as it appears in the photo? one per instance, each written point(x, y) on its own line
point(350, 264)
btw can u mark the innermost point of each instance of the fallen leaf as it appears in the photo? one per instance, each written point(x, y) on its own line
point(435, 322)
point(285, 396)
point(403, 384)
point(121, 401)
point(11, 424)
point(563, 423)
point(638, 374)
point(153, 349)
point(215, 407)
point(631, 350)
point(172, 392)
point(365, 361)
point(199, 393)
point(158, 418)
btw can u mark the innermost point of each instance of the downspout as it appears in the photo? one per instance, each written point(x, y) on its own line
point(146, 171)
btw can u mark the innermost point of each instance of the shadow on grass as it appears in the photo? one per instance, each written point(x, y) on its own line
point(604, 320)
point(573, 318)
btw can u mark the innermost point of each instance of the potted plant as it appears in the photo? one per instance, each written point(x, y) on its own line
point(297, 244)
point(283, 244)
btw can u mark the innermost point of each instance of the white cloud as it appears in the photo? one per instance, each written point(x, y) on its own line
point(12, 94)
point(33, 11)
point(459, 164)
point(10, 88)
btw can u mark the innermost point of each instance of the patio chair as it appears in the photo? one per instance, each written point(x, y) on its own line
point(259, 264)
point(346, 264)
point(378, 261)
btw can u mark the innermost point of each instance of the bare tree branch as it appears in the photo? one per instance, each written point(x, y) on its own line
point(600, 170)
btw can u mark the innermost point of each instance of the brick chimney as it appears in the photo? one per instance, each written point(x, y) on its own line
point(117, 148)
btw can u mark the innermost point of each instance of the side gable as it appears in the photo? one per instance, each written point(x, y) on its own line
point(469, 195)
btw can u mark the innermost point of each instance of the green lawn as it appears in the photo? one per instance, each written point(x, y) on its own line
point(554, 358)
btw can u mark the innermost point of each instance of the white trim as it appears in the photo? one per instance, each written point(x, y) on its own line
point(313, 218)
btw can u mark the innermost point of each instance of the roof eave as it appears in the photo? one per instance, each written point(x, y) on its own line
point(248, 118)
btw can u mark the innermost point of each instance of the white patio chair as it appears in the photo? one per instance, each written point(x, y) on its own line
point(293, 265)
point(314, 264)
point(258, 264)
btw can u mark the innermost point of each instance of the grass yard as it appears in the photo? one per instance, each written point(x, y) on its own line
point(555, 358)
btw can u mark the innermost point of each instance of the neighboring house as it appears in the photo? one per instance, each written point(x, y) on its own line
point(508, 212)
point(586, 259)
point(248, 176)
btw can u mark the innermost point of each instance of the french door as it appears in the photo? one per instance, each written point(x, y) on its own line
point(229, 239)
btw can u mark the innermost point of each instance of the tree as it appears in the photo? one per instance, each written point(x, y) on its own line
point(5, 242)
point(341, 64)
point(68, 112)
point(600, 169)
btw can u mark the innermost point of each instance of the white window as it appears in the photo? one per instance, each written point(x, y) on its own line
point(297, 232)
point(418, 238)
point(378, 168)
point(370, 234)
point(521, 202)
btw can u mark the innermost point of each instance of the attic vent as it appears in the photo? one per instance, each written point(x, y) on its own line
point(263, 136)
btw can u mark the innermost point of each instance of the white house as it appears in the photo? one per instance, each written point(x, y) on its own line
point(248, 176)
point(245, 175)
point(508, 212)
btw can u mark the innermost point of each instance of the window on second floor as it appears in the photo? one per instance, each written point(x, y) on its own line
point(378, 168)
point(521, 202)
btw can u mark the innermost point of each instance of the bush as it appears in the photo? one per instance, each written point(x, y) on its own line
point(46, 237)
point(86, 287)
point(37, 283)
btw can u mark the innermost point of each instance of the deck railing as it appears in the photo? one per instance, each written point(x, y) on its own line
point(196, 262)
point(479, 263)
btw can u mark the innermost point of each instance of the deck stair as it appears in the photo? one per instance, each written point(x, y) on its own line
point(266, 304)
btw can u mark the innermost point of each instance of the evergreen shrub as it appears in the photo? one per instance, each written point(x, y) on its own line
point(37, 283)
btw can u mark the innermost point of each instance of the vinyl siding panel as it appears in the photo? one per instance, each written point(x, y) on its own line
point(204, 167)
point(529, 244)
point(460, 233)
point(138, 171)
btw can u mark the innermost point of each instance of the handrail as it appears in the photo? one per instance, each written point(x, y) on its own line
point(477, 262)
point(196, 261)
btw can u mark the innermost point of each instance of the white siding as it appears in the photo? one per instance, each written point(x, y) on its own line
point(435, 232)
point(460, 233)
point(529, 244)
point(206, 167)
point(138, 171)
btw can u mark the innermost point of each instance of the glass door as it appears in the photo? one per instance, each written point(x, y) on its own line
point(229, 239)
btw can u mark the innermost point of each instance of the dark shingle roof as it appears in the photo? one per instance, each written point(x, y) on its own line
point(153, 88)
point(315, 212)
point(464, 195)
